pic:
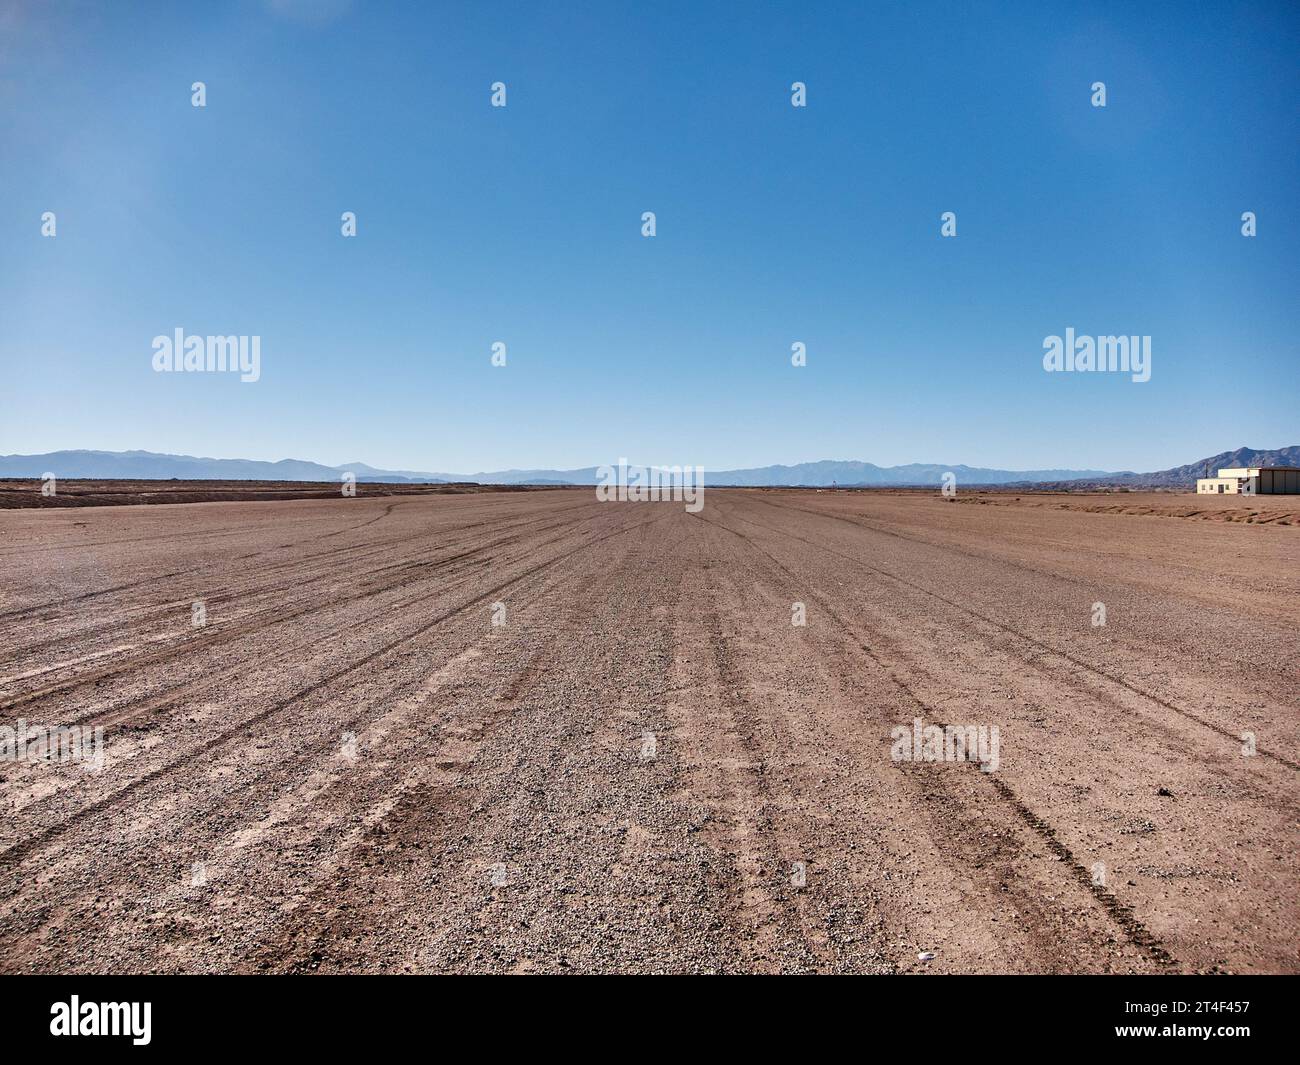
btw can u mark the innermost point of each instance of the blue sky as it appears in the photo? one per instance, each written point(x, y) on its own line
point(775, 224)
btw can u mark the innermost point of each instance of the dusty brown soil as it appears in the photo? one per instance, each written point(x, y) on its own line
point(630, 773)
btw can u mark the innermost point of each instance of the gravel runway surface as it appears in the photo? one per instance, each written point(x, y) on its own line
point(530, 732)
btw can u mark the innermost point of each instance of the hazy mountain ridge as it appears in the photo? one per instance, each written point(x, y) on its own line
point(148, 465)
point(153, 466)
point(1186, 476)
point(1242, 456)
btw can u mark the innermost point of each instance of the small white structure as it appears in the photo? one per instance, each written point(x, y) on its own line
point(1252, 480)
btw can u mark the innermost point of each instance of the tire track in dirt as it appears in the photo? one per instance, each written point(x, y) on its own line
point(719, 728)
point(1122, 915)
point(423, 569)
point(220, 565)
point(1244, 798)
point(1090, 686)
point(300, 579)
point(142, 710)
point(18, 852)
point(416, 696)
point(340, 919)
point(297, 566)
point(1040, 645)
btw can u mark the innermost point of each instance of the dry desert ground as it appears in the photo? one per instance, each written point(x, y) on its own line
point(529, 731)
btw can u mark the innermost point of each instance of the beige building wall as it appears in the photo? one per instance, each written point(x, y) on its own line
point(1259, 480)
point(1228, 486)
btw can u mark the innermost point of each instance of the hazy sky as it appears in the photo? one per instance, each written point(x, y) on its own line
point(775, 224)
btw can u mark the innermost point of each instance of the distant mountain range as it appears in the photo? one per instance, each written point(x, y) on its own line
point(1185, 476)
point(149, 465)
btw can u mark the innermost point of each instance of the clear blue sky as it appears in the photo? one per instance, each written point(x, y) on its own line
point(775, 225)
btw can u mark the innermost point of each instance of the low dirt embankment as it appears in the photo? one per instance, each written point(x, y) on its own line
point(1250, 510)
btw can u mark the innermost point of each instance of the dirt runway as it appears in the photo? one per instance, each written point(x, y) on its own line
point(532, 732)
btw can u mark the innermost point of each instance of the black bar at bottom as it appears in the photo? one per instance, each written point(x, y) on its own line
point(339, 1013)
